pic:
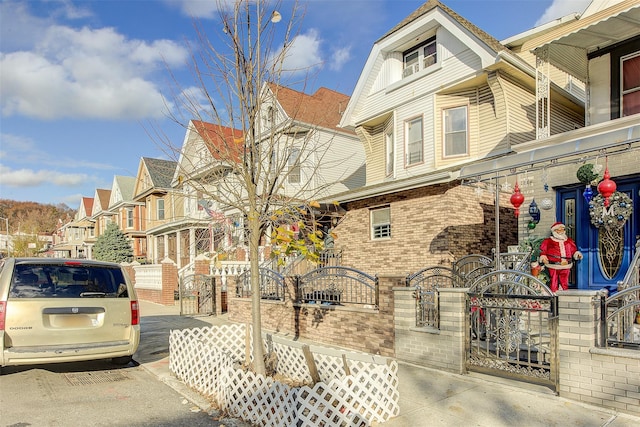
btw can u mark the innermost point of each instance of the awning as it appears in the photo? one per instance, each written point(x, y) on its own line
point(569, 45)
point(609, 137)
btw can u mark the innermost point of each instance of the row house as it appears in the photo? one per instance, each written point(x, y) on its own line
point(436, 94)
point(600, 50)
point(75, 238)
point(129, 215)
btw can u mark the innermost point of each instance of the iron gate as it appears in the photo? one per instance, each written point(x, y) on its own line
point(197, 295)
point(513, 328)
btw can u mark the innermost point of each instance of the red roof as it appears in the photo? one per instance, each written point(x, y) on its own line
point(323, 108)
point(224, 143)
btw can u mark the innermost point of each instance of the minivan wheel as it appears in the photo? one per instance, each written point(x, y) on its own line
point(123, 360)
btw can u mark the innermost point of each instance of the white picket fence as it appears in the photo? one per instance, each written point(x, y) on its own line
point(209, 360)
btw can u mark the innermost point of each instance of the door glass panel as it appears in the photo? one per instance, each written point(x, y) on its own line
point(611, 248)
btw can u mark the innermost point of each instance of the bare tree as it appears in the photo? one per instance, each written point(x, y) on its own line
point(252, 157)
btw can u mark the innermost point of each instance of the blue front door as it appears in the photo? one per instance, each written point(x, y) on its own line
point(607, 253)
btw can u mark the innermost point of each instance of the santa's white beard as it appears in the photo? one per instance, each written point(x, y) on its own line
point(559, 236)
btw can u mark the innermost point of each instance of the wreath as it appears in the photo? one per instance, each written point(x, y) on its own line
point(613, 216)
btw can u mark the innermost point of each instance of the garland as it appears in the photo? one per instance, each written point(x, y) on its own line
point(614, 216)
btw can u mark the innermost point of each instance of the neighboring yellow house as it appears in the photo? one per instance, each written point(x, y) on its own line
point(163, 206)
point(436, 94)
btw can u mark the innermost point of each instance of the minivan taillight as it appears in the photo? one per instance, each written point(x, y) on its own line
point(3, 313)
point(135, 313)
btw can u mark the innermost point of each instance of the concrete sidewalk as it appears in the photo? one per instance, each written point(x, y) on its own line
point(427, 397)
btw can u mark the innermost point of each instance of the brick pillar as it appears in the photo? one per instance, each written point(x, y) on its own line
point(202, 265)
point(169, 282)
point(131, 272)
point(578, 318)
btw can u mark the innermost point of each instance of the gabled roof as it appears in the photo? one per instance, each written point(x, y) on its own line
point(414, 29)
point(103, 198)
point(432, 4)
point(324, 108)
point(160, 171)
point(224, 143)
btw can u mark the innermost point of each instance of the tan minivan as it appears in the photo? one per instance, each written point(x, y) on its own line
point(64, 310)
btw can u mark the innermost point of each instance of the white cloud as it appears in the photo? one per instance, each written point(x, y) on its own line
point(560, 8)
point(304, 53)
point(86, 73)
point(339, 58)
point(31, 178)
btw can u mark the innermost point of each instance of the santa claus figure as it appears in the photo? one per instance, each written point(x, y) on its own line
point(557, 254)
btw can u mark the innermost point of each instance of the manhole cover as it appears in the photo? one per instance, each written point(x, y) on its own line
point(87, 378)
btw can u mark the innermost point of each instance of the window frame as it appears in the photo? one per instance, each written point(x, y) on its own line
point(635, 90)
point(129, 219)
point(380, 230)
point(420, 143)
point(293, 166)
point(389, 153)
point(160, 207)
point(446, 132)
point(420, 58)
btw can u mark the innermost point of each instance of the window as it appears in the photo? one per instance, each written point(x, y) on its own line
point(414, 141)
point(420, 57)
point(129, 217)
point(631, 85)
point(268, 117)
point(455, 131)
point(381, 223)
point(160, 209)
point(294, 166)
point(389, 153)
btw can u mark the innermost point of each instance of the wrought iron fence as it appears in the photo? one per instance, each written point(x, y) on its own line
point(427, 282)
point(337, 285)
point(621, 319)
point(271, 284)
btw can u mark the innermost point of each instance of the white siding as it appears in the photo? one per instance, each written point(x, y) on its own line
point(600, 81)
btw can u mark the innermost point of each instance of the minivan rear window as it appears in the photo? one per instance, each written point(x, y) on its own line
point(66, 281)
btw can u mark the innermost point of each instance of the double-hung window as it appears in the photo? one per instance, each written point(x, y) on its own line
point(631, 84)
point(389, 153)
point(455, 131)
point(293, 162)
point(414, 141)
point(380, 223)
point(160, 208)
point(129, 217)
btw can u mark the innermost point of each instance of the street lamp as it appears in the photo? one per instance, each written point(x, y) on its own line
point(6, 221)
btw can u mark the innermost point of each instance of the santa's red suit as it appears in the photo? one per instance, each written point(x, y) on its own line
point(557, 254)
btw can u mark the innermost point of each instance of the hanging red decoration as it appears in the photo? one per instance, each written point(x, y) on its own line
point(607, 186)
point(517, 198)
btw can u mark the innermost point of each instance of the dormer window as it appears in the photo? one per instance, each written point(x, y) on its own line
point(420, 57)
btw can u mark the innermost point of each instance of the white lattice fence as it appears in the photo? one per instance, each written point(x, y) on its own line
point(207, 359)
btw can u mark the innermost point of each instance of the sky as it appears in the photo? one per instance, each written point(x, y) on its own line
point(86, 87)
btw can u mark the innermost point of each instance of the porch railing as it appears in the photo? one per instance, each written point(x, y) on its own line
point(621, 319)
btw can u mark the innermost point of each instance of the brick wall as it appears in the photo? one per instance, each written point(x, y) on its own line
point(363, 329)
point(598, 376)
point(431, 225)
point(442, 348)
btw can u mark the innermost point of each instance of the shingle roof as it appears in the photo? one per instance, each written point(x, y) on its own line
point(224, 143)
point(160, 171)
point(126, 184)
point(103, 198)
point(432, 4)
point(324, 108)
